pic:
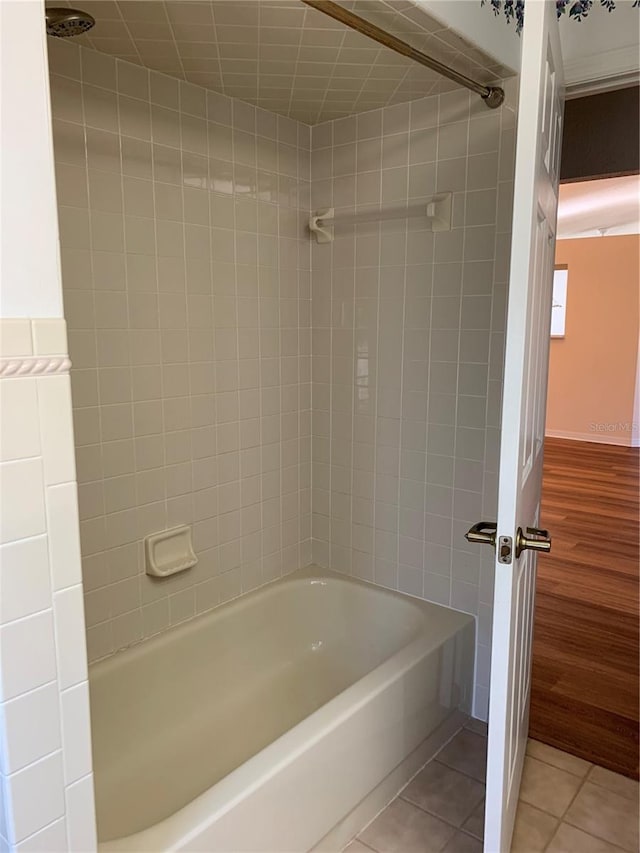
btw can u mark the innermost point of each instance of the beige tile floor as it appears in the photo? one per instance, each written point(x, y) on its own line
point(566, 805)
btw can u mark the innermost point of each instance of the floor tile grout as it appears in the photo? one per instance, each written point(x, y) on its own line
point(449, 767)
point(563, 819)
point(597, 837)
point(605, 787)
point(368, 846)
point(399, 796)
point(549, 764)
point(438, 817)
point(559, 821)
point(573, 799)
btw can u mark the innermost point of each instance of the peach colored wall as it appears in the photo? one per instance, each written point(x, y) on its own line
point(592, 370)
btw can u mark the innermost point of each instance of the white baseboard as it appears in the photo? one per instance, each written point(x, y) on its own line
point(595, 437)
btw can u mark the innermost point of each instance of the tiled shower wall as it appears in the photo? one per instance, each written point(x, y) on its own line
point(408, 344)
point(186, 274)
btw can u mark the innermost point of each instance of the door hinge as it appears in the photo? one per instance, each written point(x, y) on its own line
point(505, 549)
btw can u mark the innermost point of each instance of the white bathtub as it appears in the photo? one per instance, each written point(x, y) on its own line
point(262, 725)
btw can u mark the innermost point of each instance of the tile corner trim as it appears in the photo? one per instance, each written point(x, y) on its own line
point(34, 366)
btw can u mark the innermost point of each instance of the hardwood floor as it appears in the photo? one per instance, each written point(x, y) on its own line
point(585, 682)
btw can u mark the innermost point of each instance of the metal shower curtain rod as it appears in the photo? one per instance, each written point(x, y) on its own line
point(493, 96)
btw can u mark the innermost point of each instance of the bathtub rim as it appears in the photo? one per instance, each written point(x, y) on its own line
point(185, 825)
point(299, 576)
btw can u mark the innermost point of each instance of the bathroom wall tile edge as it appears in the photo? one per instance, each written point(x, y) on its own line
point(45, 745)
point(33, 347)
point(44, 694)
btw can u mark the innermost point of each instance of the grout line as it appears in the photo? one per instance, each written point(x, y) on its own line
point(32, 835)
point(172, 38)
point(555, 766)
point(259, 356)
point(405, 231)
point(563, 818)
point(457, 427)
point(39, 760)
point(418, 771)
point(399, 795)
point(51, 683)
point(353, 379)
point(439, 817)
point(428, 362)
point(123, 20)
point(95, 370)
point(457, 770)
point(242, 538)
point(329, 75)
point(331, 269)
point(360, 841)
point(374, 462)
point(281, 251)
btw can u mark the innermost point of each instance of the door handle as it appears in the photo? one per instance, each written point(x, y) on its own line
point(485, 533)
point(482, 533)
point(535, 540)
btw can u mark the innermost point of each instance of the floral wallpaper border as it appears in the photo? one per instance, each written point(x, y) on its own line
point(513, 10)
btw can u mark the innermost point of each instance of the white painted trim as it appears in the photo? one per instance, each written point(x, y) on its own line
point(614, 231)
point(34, 366)
point(596, 87)
point(596, 438)
point(596, 68)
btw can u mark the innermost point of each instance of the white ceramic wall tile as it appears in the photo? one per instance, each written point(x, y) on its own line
point(34, 359)
point(51, 839)
point(25, 586)
point(64, 535)
point(40, 783)
point(70, 636)
point(81, 818)
point(19, 437)
point(76, 732)
point(4, 805)
point(49, 336)
point(56, 429)
point(15, 337)
point(27, 654)
point(22, 499)
point(32, 727)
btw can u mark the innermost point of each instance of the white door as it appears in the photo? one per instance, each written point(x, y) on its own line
point(524, 400)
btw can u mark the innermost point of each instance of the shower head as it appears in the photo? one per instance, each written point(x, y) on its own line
point(63, 23)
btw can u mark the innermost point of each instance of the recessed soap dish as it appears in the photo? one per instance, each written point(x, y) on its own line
point(169, 552)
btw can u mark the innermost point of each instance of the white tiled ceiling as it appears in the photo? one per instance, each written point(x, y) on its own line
point(282, 55)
